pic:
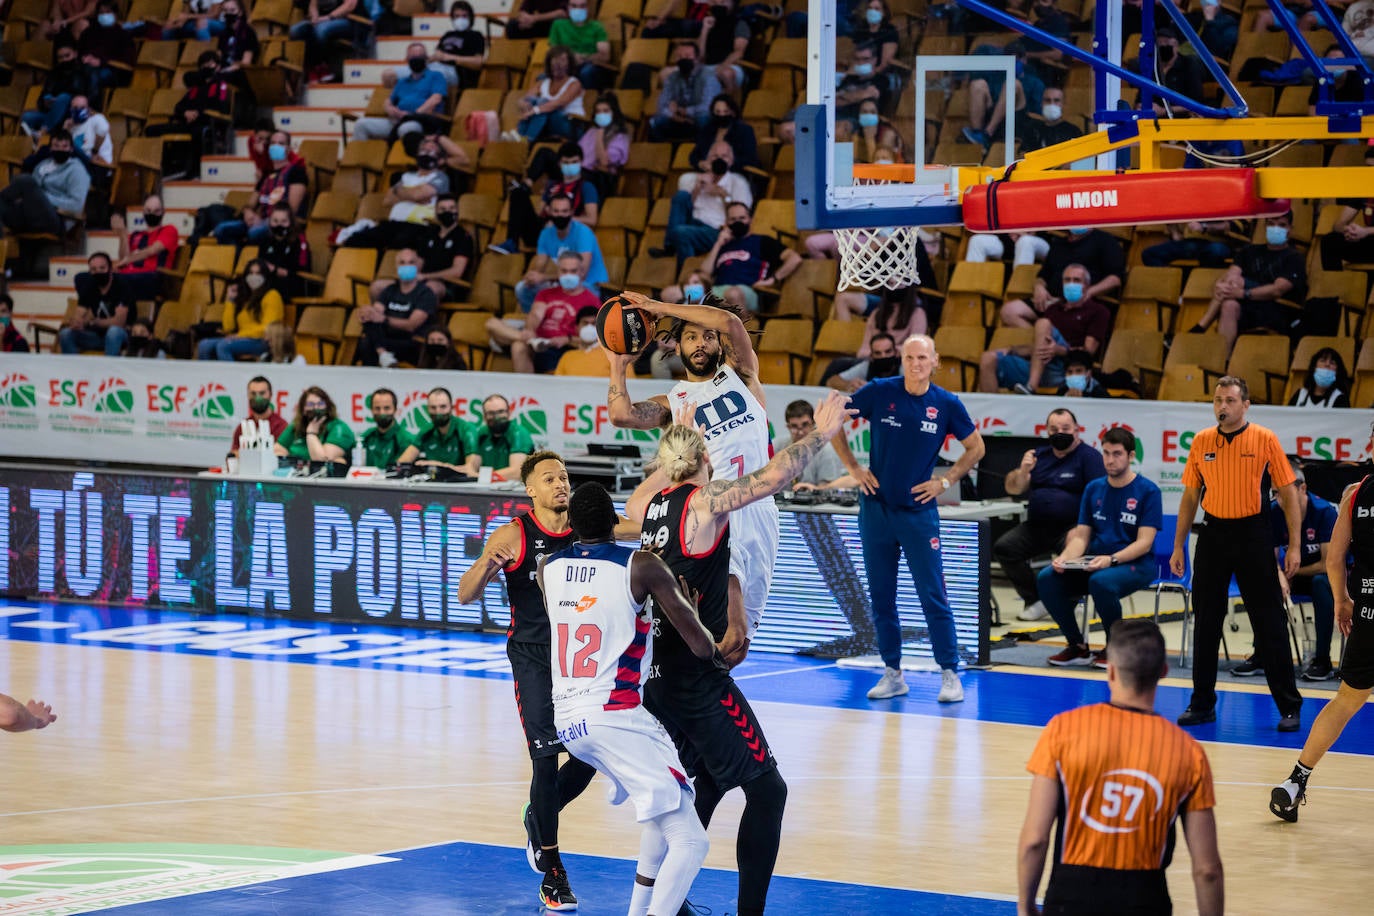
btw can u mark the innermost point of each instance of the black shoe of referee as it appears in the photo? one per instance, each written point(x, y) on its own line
point(1248, 668)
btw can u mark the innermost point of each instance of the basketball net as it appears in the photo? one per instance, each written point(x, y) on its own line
point(878, 258)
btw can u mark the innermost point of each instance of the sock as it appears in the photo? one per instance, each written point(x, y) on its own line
point(685, 841)
point(551, 858)
point(639, 897)
point(1300, 774)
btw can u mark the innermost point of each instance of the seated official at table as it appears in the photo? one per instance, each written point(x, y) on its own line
point(316, 433)
point(387, 443)
point(449, 442)
point(260, 407)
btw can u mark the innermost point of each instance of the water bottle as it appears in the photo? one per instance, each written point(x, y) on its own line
point(358, 457)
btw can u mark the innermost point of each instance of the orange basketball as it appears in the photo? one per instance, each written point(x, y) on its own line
point(623, 327)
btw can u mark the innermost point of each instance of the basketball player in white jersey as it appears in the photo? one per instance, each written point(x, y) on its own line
point(596, 593)
point(722, 381)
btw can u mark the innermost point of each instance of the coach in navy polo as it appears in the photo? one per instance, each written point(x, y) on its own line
point(909, 419)
point(1118, 518)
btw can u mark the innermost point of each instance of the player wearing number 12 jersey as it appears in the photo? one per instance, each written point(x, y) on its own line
point(1116, 776)
point(596, 593)
point(722, 382)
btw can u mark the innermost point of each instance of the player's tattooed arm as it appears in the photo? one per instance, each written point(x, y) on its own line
point(628, 414)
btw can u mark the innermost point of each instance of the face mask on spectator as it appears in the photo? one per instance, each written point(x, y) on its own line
point(319, 413)
point(1076, 382)
point(868, 119)
point(569, 282)
point(719, 166)
point(280, 230)
point(426, 161)
point(1079, 230)
point(1073, 291)
point(497, 426)
point(61, 155)
point(684, 67)
point(570, 169)
point(1061, 441)
point(1324, 377)
point(873, 17)
point(561, 222)
point(694, 292)
point(1052, 112)
point(884, 366)
point(1166, 53)
point(5, 321)
point(276, 152)
point(739, 228)
point(417, 64)
point(440, 420)
point(79, 115)
point(259, 405)
point(407, 273)
point(864, 69)
point(152, 220)
point(106, 20)
point(723, 120)
point(602, 119)
point(436, 351)
point(461, 24)
point(578, 15)
point(446, 218)
point(254, 281)
point(587, 334)
point(1276, 235)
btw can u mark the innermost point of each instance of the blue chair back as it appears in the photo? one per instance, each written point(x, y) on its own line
point(1164, 549)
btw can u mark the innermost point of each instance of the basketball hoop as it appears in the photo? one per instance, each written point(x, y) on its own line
point(880, 257)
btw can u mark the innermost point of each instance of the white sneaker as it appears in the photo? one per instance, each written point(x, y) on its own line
point(951, 688)
point(1036, 611)
point(893, 684)
point(386, 359)
point(539, 344)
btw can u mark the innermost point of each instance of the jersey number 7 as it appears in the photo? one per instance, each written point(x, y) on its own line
point(583, 665)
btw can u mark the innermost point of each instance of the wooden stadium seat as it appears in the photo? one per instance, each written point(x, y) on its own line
point(469, 332)
point(809, 290)
point(158, 58)
point(1150, 299)
point(974, 293)
point(1262, 360)
point(960, 347)
point(785, 350)
point(345, 285)
point(1196, 296)
point(1021, 284)
point(620, 225)
point(650, 52)
point(360, 167)
point(837, 338)
point(493, 286)
point(1348, 288)
point(651, 275)
point(1363, 381)
point(505, 63)
point(473, 100)
point(480, 214)
point(176, 316)
point(777, 218)
point(320, 327)
point(1183, 382)
point(322, 160)
point(1302, 356)
point(646, 170)
point(1133, 349)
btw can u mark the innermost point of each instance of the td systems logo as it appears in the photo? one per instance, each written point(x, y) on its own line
point(113, 396)
point(17, 391)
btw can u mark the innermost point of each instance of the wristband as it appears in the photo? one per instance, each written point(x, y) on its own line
point(944, 483)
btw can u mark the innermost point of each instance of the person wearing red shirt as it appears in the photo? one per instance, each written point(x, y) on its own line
point(260, 407)
point(11, 341)
point(141, 253)
point(550, 330)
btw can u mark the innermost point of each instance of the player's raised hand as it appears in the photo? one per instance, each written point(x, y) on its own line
point(639, 301)
point(832, 412)
point(686, 415)
point(42, 713)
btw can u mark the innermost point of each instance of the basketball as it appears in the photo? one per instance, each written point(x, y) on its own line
point(622, 327)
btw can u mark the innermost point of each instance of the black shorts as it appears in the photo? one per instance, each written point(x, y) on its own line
point(1357, 664)
point(1257, 314)
point(1078, 890)
point(713, 726)
point(529, 662)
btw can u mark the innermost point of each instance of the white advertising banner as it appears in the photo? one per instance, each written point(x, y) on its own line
point(177, 413)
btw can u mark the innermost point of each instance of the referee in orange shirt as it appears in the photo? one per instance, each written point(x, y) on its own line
point(1116, 775)
point(1226, 471)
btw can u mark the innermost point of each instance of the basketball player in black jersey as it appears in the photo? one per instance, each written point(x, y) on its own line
point(1353, 535)
point(517, 548)
point(686, 520)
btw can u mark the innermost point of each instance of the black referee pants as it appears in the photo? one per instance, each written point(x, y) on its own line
point(1243, 548)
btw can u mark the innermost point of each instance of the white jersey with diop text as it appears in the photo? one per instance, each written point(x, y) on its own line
point(735, 422)
point(601, 643)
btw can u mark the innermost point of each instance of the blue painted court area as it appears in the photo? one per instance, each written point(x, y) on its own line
point(463, 878)
point(990, 696)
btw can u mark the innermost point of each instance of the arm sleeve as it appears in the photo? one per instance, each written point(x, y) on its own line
point(468, 436)
point(286, 437)
point(1326, 523)
point(862, 401)
point(229, 318)
point(273, 310)
point(341, 435)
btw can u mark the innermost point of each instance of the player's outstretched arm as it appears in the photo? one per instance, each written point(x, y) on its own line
point(502, 549)
point(22, 717)
point(1200, 830)
point(723, 496)
point(651, 576)
point(628, 414)
point(638, 503)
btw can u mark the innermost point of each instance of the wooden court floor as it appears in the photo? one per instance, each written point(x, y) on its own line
point(162, 746)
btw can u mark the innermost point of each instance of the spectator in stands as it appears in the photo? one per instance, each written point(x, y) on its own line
point(67, 18)
point(586, 38)
point(605, 144)
point(412, 103)
point(1027, 248)
point(587, 357)
point(258, 145)
point(281, 345)
point(199, 20)
point(1327, 384)
point(207, 94)
point(988, 97)
point(874, 139)
point(739, 260)
point(142, 253)
point(260, 407)
point(324, 22)
point(1118, 518)
point(316, 434)
point(462, 50)
point(563, 233)
point(287, 183)
point(446, 252)
point(878, 359)
point(253, 305)
point(1246, 297)
point(1051, 128)
point(67, 79)
point(1179, 72)
point(104, 306)
point(874, 29)
point(439, 352)
point(1054, 476)
point(285, 252)
point(524, 224)
point(555, 98)
point(1075, 322)
point(860, 84)
point(449, 442)
point(387, 443)
point(142, 342)
point(1352, 237)
point(1078, 377)
point(1096, 250)
point(551, 327)
point(536, 18)
point(684, 104)
point(399, 311)
point(1217, 28)
point(698, 207)
point(663, 24)
point(1301, 10)
point(90, 132)
point(11, 341)
point(1358, 23)
point(502, 443)
point(726, 127)
point(238, 45)
point(104, 43)
point(693, 289)
point(34, 202)
point(412, 199)
point(899, 312)
point(1041, 59)
point(825, 471)
point(1207, 243)
point(723, 40)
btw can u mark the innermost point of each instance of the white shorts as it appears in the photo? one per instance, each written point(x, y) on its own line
point(753, 549)
point(632, 750)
